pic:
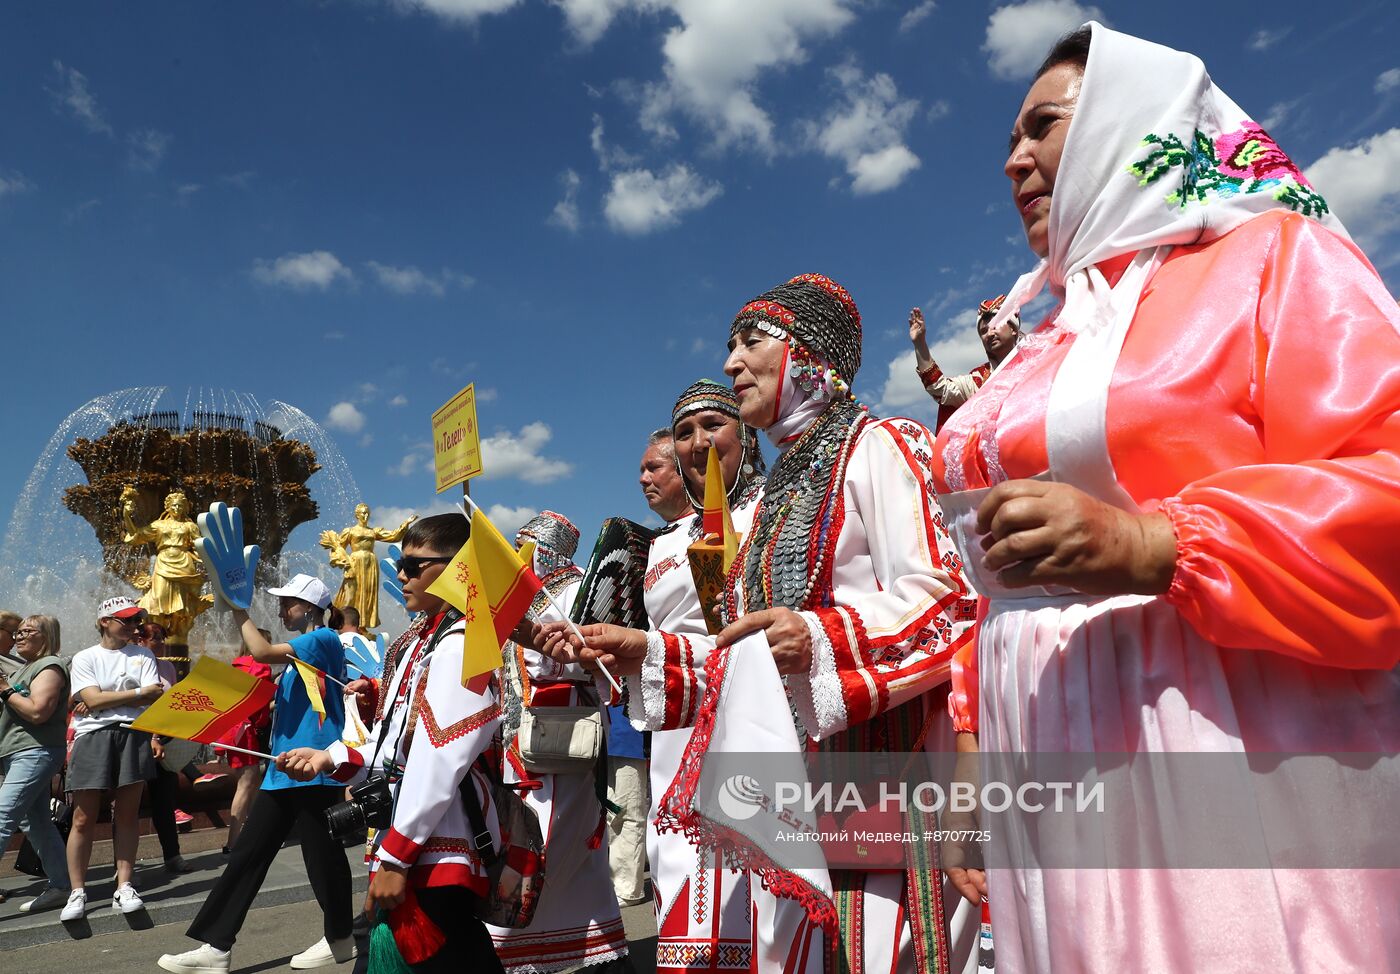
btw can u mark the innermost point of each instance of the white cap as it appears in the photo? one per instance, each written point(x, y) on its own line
point(308, 588)
point(118, 607)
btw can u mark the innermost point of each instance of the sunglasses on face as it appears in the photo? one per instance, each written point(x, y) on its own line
point(411, 566)
point(23, 633)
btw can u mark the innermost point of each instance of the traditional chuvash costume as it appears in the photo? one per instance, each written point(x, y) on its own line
point(577, 922)
point(846, 534)
point(702, 902)
point(1225, 356)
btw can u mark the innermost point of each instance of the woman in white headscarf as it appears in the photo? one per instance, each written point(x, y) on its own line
point(1179, 496)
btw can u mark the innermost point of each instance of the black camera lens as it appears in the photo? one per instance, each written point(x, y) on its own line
point(345, 819)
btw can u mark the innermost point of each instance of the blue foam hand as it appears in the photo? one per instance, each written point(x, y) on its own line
point(389, 575)
point(360, 657)
point(231, 565)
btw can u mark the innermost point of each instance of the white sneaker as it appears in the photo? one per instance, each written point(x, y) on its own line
point(324, 953)
point(76, 905)
point(126, 899)
point(48, 898)
point(205, 959)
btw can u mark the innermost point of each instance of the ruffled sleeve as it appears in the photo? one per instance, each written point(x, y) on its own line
point(901, 609)
point(1296, 554)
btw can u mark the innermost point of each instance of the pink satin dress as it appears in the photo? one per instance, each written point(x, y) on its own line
point(1254, 403)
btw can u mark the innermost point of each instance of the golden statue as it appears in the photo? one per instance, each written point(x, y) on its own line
point(361, 585)
point(173, 589)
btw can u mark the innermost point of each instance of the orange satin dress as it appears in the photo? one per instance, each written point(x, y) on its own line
point(1254, 403)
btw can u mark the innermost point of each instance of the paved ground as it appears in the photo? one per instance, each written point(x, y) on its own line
point(286, 922)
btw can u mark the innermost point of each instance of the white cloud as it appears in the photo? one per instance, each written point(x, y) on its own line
point(317, 269)
point(866, 131)
point(1358, 185)
point(517, 455)
point(509, 520)
point(418, 458)
point(455, 11)
point(145, 148)
point(640, 201)
point(412, 280)
point(1020, 35)
point(588, 20)
point(956, 352)
point(13, 185)
point(1263, 39)
point(610, 157)
point(392, 515)
point(916, 16)
point(715, 56)
point(345, 418)
point(1387, 81)
point(486, 395)
point(185, 191)
point(565, 212)
point(71, 92)
point(1279, 112)
point(399, 400)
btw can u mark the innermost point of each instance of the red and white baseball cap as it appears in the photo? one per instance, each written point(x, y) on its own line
point(308, 588)
point(119, 607)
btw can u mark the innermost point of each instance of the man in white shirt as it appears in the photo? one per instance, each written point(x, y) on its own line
point(112, 683)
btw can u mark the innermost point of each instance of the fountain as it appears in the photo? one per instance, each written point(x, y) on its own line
point(133, 448)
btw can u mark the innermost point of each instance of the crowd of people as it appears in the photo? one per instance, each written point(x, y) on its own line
point(1159, 520)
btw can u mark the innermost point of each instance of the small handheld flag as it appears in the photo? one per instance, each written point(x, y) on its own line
point(204, 706)
point(489, 584)
point(315, 682)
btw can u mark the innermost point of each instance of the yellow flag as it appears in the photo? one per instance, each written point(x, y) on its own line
point(716, 522)
point(207, 704)
point(489, 584)
point(315, 682)
point(527, 554)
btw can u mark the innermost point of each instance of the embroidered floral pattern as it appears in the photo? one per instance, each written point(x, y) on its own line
point(1244, 161)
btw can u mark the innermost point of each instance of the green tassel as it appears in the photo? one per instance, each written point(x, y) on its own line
point(384, 956)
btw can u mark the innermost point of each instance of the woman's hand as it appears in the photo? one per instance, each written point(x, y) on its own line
point(620, 649)
point(787, 634)
point(961, 854)
point(917, 328)
point(151, 692)
point(528, 634)
point(304, 763)
point(361, 688)
point(388, 888)
point(1038, 533)
point(157, 748)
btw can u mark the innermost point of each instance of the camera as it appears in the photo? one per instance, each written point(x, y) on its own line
point(371, 806)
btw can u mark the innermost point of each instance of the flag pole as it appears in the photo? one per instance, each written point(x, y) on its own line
point(552, 604)
point(244, 750)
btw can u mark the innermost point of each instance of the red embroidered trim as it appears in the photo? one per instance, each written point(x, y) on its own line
point(769, 309)
point(929, 375)
point(441, 736)
point(676, 812)
point(832, 288)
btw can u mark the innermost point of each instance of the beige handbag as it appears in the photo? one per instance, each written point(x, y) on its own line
point(560, 740)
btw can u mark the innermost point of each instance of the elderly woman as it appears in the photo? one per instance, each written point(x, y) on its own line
point(1180, 498)
point(844, 571)
point(33, 724)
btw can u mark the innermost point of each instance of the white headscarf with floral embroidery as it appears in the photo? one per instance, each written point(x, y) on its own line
point(1156, 155)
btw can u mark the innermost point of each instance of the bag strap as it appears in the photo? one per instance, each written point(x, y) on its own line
point(449, 619)
point(476, 818)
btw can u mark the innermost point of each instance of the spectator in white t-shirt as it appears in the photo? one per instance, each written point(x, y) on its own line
point(114, 681)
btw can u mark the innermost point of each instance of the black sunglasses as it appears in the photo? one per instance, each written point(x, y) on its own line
point(411, 566)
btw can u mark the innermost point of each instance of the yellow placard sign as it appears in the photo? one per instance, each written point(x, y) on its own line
point(456, 445)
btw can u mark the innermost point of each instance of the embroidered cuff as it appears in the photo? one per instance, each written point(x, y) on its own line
point(817, 693)
point(398, 849)
point(646, 705)
point(928, 376)
point(349, 763)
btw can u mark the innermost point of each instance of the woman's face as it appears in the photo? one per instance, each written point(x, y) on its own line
point(755, 364)
point(1037, 142)
point(694, 434)
point(29, 640)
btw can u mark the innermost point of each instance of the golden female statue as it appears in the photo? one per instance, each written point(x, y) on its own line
point(361, 585)
point(174, 597)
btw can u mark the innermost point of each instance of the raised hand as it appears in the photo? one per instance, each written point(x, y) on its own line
point(230, 564)
point(917, 328)
point(389, 575)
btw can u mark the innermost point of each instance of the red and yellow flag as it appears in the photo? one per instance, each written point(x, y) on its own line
point(492, 587)
point(204, 706)
point(715, 521)
point(315, 682)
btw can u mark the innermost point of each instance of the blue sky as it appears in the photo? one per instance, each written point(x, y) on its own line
point(359, 206)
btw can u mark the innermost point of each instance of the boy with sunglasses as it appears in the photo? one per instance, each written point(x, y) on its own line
point(429, 731)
